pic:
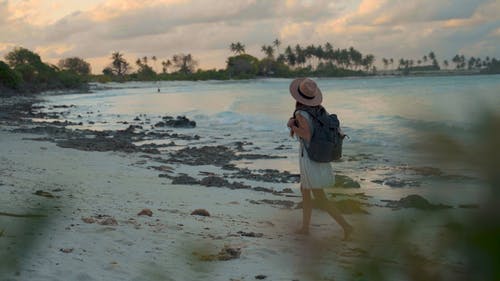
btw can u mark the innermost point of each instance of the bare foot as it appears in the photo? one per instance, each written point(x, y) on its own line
point(302, 231)
point(347, 232)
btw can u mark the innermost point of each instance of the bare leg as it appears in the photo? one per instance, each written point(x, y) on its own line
point(333, 211)
point(306, 211)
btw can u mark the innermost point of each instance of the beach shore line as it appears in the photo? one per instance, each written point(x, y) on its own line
point(112, 210)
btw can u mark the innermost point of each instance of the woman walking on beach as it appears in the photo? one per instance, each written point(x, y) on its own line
point(314, 176)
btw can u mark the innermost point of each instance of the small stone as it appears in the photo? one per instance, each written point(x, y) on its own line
point(108, 221)
point(145, 212)
point(260, 277)
point(201, 212)
point(250, 234)
point(88, 220)
point(44, 194)
point(66, 250)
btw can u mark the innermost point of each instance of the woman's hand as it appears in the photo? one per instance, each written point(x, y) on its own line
point(291, 122)
point(301, 129)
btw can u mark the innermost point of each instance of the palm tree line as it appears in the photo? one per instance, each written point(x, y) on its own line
point(120, 67)
point(312, 56)
point(430, 61)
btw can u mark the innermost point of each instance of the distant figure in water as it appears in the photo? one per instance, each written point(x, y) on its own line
point(314, 176)
point(158, 90)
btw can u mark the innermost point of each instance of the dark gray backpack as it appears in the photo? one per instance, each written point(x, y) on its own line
point(326, 141)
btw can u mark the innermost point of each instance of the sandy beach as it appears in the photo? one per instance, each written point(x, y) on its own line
point(74, 214)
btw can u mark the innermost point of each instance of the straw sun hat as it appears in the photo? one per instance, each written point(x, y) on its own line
point(305, 91)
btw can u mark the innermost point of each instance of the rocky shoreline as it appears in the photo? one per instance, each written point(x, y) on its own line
point(117, 201)
point(18, 114)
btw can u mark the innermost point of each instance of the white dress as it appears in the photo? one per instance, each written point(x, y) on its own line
point(313, 174)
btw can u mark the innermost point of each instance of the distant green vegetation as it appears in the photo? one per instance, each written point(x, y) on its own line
point(318, 61)
point(25, 72)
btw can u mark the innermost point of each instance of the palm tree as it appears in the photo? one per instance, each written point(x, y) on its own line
point(277, 44)
point(154, 61)
point(432, 56)
point(291, 58)
point(456, 61)
point(237, 48)
point(320, 53)
point(471, 63)
point(368, 61)
point(402, 63)
point(301, 58)
point(356, 57)
point(184, 63)
point(344, 58)
point(165, 65)
point(145, 60)
point(240, 48)
point(329, 53)
point(268, 50)
point(445, 63)
point(281, 58)
point(385, 62)
point(309, 52)
point(425, 59)
point(478, 63)
point(119, 65)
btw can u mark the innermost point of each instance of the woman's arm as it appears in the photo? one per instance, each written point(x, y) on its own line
point(301, 129)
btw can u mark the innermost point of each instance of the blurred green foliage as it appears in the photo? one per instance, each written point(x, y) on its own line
point(472, 240)
point(19, 237)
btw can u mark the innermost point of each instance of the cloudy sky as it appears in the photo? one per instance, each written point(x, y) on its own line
point(92, 29)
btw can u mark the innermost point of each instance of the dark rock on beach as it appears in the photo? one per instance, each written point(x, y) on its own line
point(281, 203)
point(200, 212)
point(250, 234)
point(214, 181)
point(45, 194)
point(163, 135)
point(217, 181)
point(211, 155)
point(145, 212)
point(184, 179)
point(108, 221)
point(179, 122)
point(253, 156)
point(206, 155)
point(98, 144)
point(397, 182)
point(414, 201)
point(239, 145)
point(265, 175)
